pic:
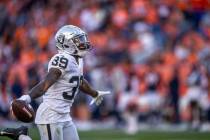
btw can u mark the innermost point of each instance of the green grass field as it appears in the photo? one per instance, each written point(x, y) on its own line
point(119, 135)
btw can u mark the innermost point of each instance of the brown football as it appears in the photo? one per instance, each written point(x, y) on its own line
point(23, 111)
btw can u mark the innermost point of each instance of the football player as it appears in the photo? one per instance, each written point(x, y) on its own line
point(61, 84)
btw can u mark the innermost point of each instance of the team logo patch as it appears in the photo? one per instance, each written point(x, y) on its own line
point(60, 38)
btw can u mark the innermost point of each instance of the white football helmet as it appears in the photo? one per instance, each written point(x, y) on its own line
point(72, 40)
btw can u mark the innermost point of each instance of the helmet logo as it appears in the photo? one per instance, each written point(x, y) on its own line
point(60, 38)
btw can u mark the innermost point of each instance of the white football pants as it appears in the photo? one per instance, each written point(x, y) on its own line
point(58, 131)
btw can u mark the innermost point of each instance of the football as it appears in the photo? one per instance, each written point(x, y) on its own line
point(22, 111)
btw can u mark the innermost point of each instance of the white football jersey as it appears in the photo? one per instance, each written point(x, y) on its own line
point(59, 98)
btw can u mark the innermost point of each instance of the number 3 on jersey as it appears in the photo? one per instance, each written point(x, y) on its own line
point(70, 96)
point(60, 61)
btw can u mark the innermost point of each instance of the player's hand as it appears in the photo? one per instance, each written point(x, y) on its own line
point(25, 98)
point(98, 99)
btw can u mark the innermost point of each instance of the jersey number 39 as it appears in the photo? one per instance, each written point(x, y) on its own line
point(60, 61)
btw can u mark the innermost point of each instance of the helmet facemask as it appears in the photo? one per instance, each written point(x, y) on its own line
point(82, 44)
point(78, 45)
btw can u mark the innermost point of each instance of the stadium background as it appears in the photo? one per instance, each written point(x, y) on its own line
point(154, 55)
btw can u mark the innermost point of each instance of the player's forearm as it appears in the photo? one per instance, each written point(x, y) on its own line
point(38, 90)
point(43, 86)
point(87, 89)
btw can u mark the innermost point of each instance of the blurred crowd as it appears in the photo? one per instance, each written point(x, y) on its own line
point(154, 55)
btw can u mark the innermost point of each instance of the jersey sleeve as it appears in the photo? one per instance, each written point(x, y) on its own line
point(59, 62)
